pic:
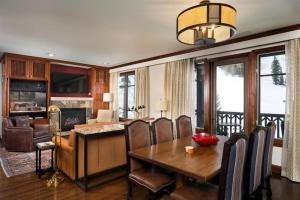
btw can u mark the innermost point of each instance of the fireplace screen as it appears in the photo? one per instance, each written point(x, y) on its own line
point(71, 117)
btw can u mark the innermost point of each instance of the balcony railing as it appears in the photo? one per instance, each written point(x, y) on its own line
point(233, 122)
point(265, 118)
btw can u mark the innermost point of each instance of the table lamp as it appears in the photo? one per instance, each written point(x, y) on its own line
point(107, 97)
point(162, 105)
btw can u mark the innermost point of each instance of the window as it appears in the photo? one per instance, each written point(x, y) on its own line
point(200, 95)
point(126, 94)
point(229, 97)
point(272, 90)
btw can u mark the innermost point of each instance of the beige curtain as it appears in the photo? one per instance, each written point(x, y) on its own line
point(142, 91)
point(291, 141)
point(178, 88)
point(113, 88)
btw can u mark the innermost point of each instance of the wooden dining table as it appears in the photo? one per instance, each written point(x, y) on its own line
point(203, 164)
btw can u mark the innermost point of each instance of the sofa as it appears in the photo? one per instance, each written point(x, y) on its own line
point(104, 153)
point(20, 135)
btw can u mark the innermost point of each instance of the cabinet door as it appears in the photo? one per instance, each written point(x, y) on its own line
point(18, 67)
point(38, 70)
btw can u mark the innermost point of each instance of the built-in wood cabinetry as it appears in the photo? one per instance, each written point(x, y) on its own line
point(26, 68)
point(99, 80)
point(21, 67)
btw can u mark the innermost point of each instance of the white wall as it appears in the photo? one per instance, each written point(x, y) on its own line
point(277, 154)
point(156, 74)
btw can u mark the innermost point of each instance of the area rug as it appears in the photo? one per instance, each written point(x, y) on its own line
point(16, 163)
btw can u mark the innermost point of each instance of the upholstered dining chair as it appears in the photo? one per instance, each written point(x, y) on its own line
point(162, 129)
point(231, 175)
point(267, 162)
point(184, 126)
point(254, 163)
point(137, 135)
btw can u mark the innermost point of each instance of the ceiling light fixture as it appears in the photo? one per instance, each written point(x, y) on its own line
point(51, 54)
point(206, 23)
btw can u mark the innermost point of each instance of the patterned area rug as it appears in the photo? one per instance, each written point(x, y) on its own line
point(16, 163)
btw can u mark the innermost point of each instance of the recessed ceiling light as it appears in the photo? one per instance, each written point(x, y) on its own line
point(106, 63)
point(51, 54)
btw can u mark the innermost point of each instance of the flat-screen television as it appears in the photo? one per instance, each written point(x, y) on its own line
point(69, 83)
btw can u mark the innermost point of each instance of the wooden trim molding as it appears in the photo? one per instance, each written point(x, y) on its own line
point(55, 61)
point(232, 41)
point(276, 170)
point(278, 142)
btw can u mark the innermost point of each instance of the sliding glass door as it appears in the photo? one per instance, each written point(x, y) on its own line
point(229, 96)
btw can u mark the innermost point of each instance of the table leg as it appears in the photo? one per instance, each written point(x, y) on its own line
point(179, 180)
point(76, 157)
point(40, 164)
point(52, 158)
point(36, 160)
point(85, 164)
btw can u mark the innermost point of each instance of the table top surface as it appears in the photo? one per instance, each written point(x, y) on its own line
point(203, 165)
point(96, 129)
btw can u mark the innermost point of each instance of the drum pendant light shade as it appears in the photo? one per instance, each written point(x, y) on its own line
point(206, 23)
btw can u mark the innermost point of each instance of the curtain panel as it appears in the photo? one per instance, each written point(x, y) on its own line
point(113, 88)
point(142, 88)
point(291, 140)
point(178, 88)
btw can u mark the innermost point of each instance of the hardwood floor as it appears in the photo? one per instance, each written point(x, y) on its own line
point(28, 186)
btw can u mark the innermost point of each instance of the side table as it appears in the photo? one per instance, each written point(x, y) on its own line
point(38, 155)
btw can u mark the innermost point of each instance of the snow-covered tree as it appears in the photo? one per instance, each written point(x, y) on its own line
point(277, 71)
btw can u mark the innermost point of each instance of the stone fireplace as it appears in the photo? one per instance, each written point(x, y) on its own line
point(71, 117)
point(74, 110)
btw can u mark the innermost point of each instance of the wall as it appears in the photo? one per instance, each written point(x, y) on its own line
point(156, 74)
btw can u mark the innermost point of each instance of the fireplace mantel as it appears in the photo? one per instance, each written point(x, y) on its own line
point(71, 98)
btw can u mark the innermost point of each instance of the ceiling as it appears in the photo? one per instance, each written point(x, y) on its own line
point(113, 32)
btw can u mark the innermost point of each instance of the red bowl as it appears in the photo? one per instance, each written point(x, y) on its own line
point(205, 140)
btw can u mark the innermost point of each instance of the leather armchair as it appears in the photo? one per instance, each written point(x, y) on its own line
point(23, 136)
point(103, 116)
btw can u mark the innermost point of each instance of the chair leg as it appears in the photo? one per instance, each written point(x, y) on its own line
point(268, 184)
point(258, 193)
point(129, 194)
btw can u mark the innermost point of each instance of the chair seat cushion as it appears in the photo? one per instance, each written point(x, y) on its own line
point(196, 192)
point(150, 178)
point(40, 133)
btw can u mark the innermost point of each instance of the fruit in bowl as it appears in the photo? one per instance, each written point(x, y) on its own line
point(205, 139)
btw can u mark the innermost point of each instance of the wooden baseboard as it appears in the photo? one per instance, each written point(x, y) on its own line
point(276, 169)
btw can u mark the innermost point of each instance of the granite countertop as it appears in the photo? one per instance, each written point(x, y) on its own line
point(99, 129)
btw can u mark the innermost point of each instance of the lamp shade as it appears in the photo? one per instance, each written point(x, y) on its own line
point(107, 97)
point(206, 23)
point(162, 105)
point(53, 108)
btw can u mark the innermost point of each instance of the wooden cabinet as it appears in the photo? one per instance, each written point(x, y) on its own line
point(26, 68)
point(99, 80)
point(39, 70)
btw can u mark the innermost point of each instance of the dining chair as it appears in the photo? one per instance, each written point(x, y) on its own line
point(184, 126)
point(231, 175)
point(162, 129)
point(267, 160)
point(137, 135)
point(254, 163)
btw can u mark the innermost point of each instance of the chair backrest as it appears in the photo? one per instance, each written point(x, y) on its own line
point(184, 126)
point(268, 151)
point(105, 115)
point(253, 171)
point(137, 135)
point(162, 130)
point(232, 168)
